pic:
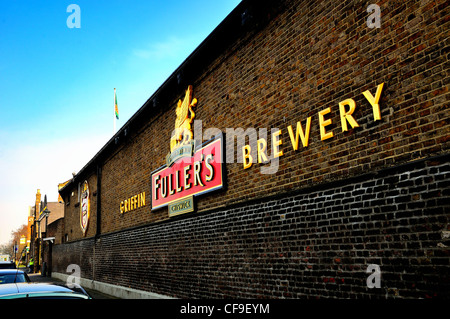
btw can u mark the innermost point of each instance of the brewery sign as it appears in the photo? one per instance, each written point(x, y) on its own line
point(190, 170)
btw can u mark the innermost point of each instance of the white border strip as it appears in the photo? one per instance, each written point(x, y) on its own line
point(113, 290)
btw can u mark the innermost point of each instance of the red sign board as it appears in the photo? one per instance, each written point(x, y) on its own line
point(190, 175)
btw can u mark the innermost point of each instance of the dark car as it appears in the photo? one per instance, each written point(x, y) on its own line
point(42, 291)
point(7, 265)
point(11, 276)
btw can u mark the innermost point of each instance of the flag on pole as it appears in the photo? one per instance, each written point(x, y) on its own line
point(116, 108)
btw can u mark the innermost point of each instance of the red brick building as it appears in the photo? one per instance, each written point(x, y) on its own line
point(335, 153)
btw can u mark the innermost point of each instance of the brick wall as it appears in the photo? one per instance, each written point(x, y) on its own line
point(79, 253)
point(309, 57)
point(314, 243)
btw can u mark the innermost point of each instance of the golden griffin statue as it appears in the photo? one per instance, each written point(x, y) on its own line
point(185, 115)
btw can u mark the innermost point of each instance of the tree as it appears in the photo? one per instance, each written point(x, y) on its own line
point(15, 239)
point(6, 248)
point(19, 232)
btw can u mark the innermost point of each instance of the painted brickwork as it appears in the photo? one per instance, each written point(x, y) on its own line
point(332, 207)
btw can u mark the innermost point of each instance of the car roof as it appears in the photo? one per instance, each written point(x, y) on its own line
point(11, 271)
point(34, 288)
point(8, 289)
point(41, 287)
point(7, 265)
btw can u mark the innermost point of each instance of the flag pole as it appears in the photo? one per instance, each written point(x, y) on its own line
point(114, 113)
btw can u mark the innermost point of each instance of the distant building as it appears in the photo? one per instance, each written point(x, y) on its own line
point(44, 216)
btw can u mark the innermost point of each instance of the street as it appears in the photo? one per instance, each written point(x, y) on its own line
point(37, 277)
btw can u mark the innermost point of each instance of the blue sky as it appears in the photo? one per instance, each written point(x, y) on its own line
point(57, 83)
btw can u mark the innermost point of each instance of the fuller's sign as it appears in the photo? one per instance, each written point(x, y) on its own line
point(189, 176)
point(189, 170)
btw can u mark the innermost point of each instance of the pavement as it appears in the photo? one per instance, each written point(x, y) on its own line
point(37, 277)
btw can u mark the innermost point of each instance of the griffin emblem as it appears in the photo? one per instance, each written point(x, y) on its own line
point(182, 133)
